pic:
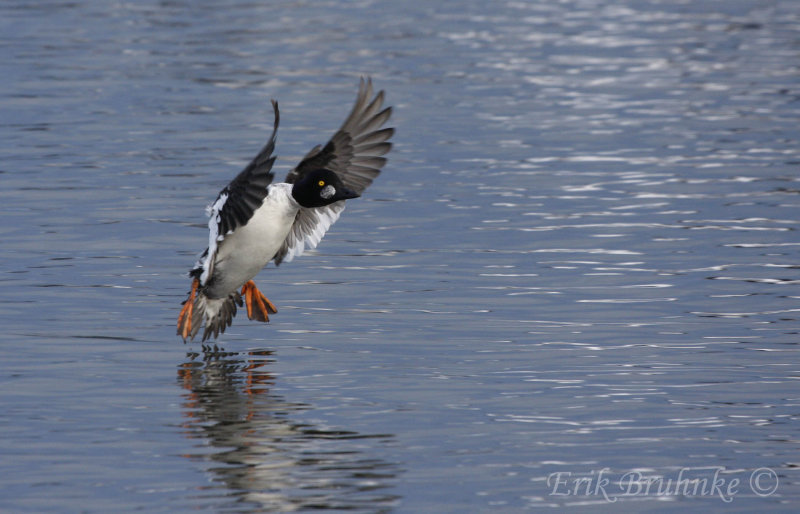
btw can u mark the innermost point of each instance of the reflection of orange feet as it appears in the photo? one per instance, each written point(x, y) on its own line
point(185, 317)
point(258, 307)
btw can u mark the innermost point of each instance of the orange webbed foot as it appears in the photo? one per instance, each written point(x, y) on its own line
point(258, 306)
point(185, 317)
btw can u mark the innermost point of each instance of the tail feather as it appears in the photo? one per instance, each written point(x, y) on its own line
point(216, 313)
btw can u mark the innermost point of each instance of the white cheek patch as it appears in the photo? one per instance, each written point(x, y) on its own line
point(327, 192)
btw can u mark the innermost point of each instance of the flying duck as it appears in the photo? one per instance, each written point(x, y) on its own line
point(254, 221)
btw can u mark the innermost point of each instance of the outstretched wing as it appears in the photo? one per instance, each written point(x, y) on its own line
point(238, 201)
point(355, 153)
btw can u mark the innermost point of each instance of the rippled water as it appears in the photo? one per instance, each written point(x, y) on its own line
point(580, 263)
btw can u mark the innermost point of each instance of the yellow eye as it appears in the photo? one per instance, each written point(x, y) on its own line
point(321, 183)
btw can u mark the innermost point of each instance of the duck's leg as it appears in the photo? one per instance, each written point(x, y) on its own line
point(185, 317)
point(258, 306)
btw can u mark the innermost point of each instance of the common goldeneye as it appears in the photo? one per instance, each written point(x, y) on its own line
point(254, 221)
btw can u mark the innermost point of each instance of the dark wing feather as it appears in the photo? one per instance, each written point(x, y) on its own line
point(355, 154)
point(237, 202)
point(246, 192)
point(355, 150)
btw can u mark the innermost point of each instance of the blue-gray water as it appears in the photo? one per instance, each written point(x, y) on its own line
point(581, 261)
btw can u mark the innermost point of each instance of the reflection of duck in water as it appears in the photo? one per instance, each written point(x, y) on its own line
point(259, 455)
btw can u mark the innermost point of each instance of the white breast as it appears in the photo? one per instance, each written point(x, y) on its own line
point(242, 254)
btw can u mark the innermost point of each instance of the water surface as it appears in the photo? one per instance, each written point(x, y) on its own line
point(582, 256)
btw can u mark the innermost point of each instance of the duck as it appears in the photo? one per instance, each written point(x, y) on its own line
point(254, 221)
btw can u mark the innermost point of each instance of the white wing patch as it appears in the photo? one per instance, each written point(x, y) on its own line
point(214, 236)
point(307, 237)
